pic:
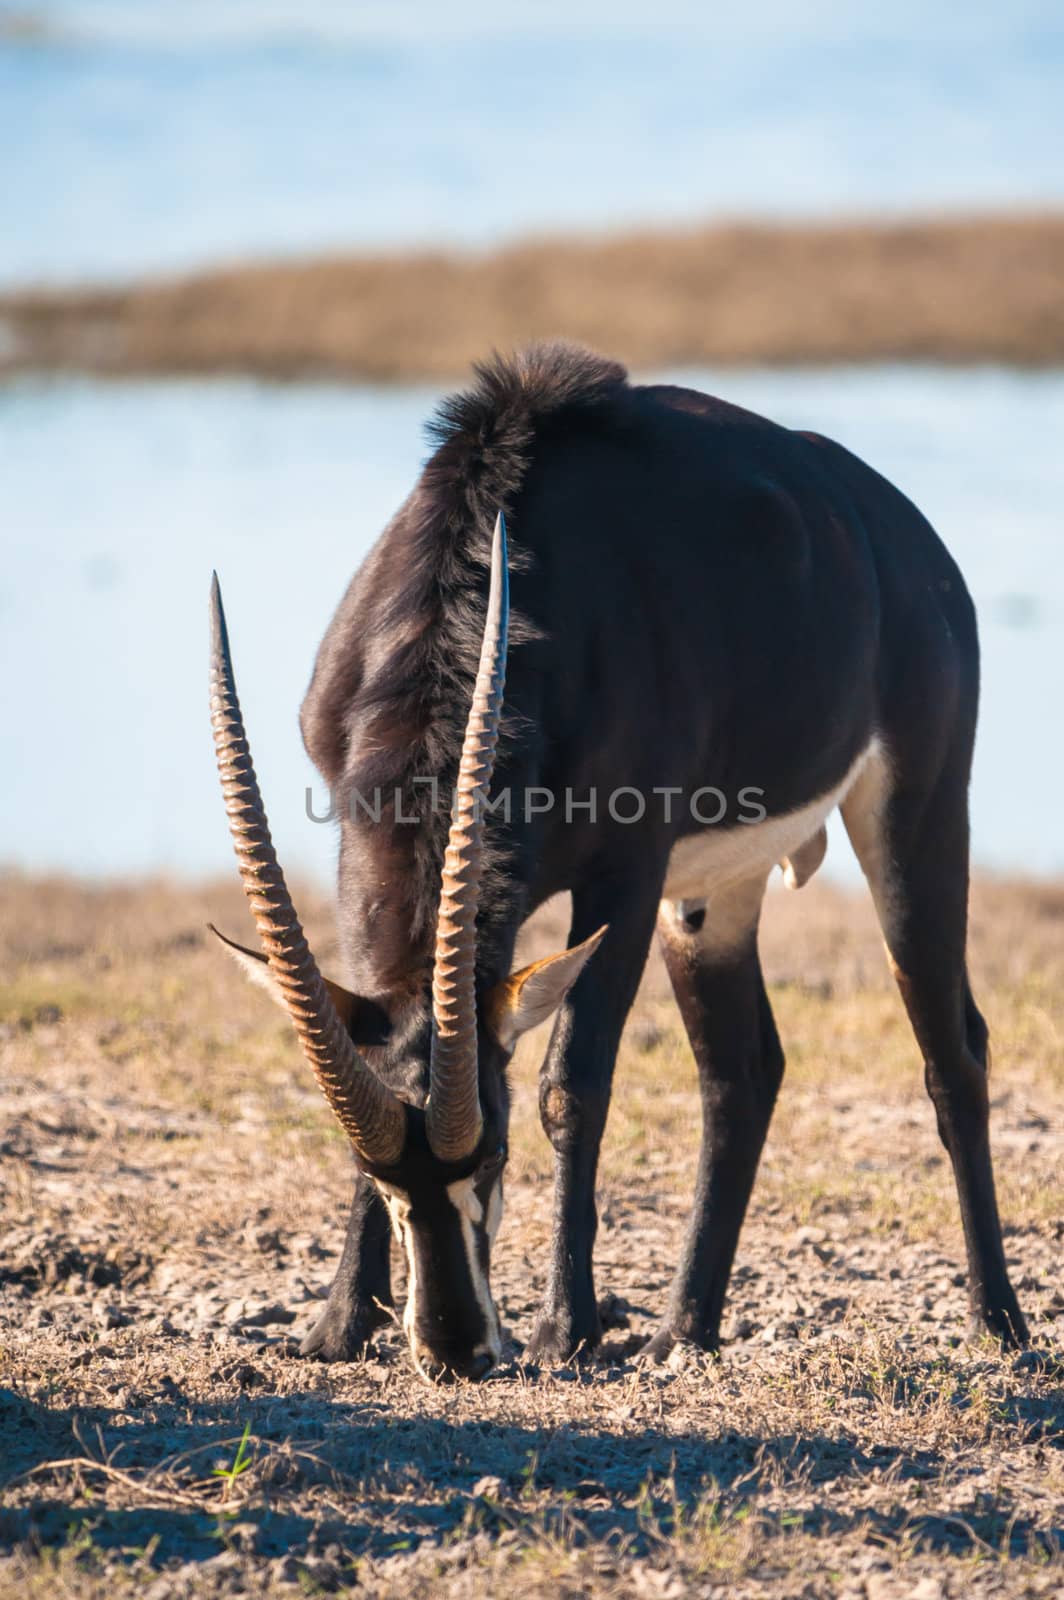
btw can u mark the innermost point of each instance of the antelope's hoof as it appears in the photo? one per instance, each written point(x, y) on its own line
point(1003, 1323)
point(557, 1339)
point(668, 1346)
point(343, 1333)
point(658, 1348)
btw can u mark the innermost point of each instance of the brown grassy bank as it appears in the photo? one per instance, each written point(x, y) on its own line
point(172, 1195)
point(966, 290)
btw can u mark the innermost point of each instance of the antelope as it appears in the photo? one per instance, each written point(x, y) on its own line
point(701, 598)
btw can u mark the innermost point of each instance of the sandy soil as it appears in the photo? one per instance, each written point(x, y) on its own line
point(969, 289)
point(172, 1201)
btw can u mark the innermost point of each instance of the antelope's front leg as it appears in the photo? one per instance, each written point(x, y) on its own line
point(361, 1292)
point(713, 963)
point(574, 1096)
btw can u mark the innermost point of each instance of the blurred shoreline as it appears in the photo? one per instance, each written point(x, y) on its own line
point(975, 289)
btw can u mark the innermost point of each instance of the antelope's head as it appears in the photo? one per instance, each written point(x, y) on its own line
point(438, 1166)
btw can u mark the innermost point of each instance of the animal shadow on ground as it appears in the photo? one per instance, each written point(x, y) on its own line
point(351, 1478)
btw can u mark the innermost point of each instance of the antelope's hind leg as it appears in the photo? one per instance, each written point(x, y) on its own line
point(912, 843)
point(713, 963)
point(361, 1294)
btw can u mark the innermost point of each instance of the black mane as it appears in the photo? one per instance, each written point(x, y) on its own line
point(395, 672)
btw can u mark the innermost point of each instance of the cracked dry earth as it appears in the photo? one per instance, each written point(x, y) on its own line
point(172, 1200)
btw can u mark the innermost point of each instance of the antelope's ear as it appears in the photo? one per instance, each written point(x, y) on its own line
point(535, 993)
point(255, 964)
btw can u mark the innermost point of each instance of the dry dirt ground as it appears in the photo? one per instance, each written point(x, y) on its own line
point(172, 1199)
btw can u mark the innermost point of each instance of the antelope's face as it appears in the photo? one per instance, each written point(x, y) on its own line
point(446, 1226)
point(438, 1167)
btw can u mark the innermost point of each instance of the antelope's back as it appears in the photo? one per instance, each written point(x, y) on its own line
point(696, 590)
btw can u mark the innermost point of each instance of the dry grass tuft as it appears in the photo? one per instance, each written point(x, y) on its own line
point(171, 1208)
point(972, 289)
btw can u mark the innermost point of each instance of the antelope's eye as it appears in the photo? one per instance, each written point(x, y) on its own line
point(492, 1163)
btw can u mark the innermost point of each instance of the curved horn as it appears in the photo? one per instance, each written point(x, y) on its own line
point(453, 1111)
point(371, 1116)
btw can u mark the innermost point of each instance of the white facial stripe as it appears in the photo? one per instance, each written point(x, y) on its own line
point(393, 1197)
point(466, 1202)
point(463, 1196)
point(494, 1209)
point(398, 1205)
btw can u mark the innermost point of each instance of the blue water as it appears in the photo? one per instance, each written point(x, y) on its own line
point(136, 136)
point(117, 500)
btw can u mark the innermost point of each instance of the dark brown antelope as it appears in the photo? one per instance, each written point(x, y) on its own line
point(722, 630)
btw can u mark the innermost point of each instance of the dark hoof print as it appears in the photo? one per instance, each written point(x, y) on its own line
point(617, 1352)
point(613, 1313)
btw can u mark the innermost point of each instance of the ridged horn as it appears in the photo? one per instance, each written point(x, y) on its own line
point(371, 1116)
point(453, 1111)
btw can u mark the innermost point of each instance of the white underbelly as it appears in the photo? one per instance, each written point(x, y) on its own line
point(708, 861)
